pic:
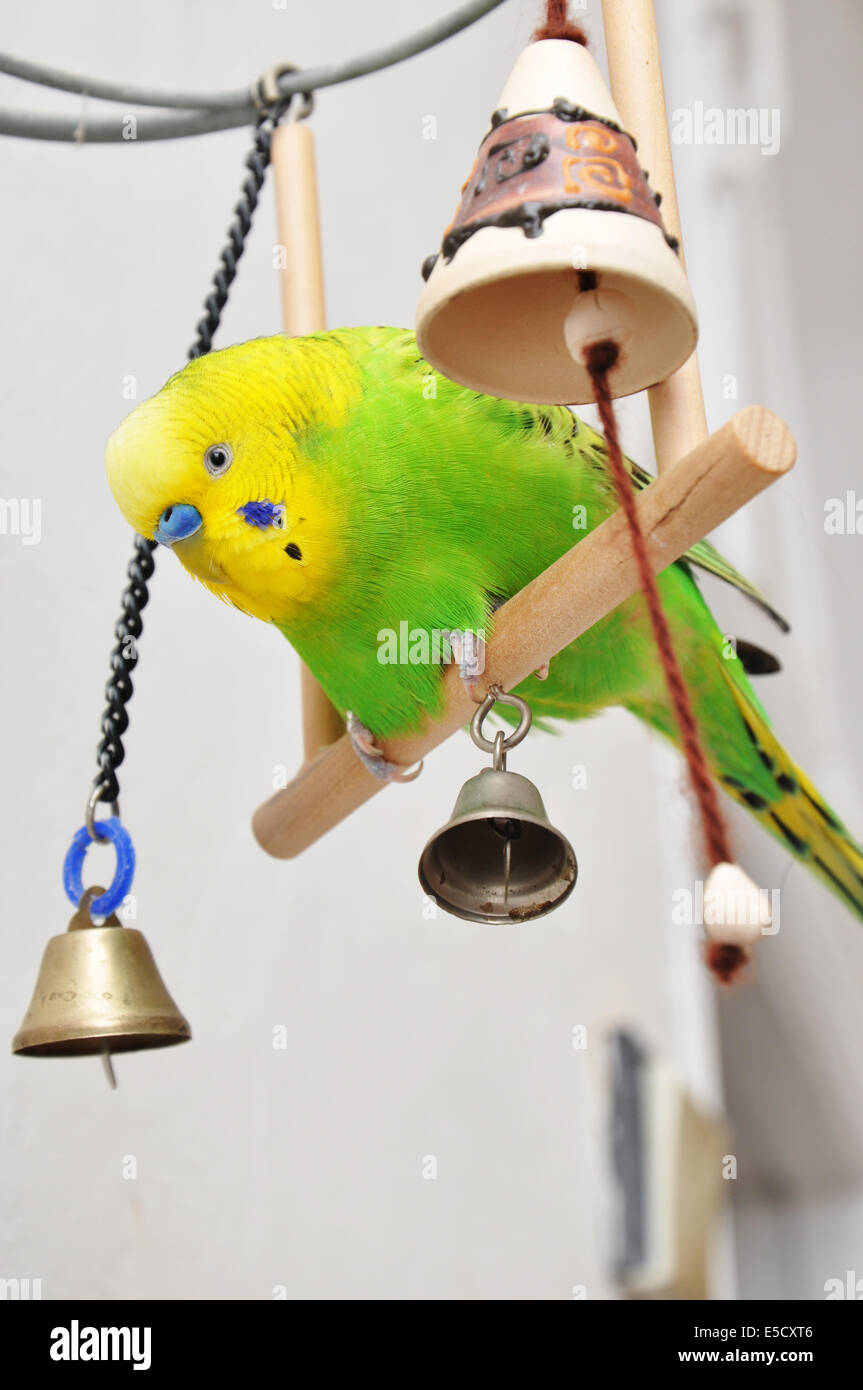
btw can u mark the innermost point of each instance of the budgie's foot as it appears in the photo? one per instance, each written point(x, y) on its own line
point(468, 648)
point(372, 757)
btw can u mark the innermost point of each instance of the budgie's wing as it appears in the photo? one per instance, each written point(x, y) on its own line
point(550, 421)
point(707, 557)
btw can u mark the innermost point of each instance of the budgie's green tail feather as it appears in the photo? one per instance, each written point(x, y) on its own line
point(795, 814)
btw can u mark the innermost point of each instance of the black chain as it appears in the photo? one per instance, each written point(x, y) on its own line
point(124, 657)
point(257, 162)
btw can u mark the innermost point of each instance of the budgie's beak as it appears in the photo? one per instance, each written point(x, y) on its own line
point(177, 523)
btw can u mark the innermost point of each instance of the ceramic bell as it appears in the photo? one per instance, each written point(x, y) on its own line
point(558, 242)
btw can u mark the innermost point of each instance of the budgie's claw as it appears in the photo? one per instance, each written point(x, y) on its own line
point(468, 648)
point(541, 672)
point(372, 757)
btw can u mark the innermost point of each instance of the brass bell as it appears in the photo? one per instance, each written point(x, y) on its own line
point(498, 858)
point(98, 991)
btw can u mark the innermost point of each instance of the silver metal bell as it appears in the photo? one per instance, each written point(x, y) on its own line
point(498, 858)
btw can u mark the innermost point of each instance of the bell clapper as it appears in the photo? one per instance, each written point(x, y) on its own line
point(504, 828)
point(108, 1066)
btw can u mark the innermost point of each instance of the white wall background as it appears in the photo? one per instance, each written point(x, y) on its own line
point(761, 265)
point(408, 1037)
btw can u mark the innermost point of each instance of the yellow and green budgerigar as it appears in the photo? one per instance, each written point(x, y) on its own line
point(339, 488)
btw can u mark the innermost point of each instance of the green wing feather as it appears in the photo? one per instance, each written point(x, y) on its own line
point(704, 555)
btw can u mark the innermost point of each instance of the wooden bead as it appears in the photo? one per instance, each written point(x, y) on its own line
point(735, 909)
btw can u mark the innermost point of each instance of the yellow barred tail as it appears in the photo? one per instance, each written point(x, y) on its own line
point(799, 817)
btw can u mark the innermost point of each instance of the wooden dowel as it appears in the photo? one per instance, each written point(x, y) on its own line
point(721, 474)
point(635, 76)
point(297, 220)
point(635, 73)
point(322, 723)
point(302, 286)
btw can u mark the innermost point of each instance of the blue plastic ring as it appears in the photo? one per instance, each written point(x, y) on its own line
point(111, 829)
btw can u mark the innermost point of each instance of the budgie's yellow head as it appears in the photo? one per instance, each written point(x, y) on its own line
point(215, 467)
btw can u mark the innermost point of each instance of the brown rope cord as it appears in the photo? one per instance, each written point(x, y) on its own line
point(557, 24)
point(724, 961)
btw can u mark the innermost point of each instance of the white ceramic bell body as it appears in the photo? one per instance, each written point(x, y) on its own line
point(511, 315)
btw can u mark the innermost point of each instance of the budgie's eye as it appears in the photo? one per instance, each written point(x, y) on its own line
point(218, 459)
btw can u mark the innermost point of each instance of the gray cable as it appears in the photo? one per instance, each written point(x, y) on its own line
point(108, 129)
point(203, 112)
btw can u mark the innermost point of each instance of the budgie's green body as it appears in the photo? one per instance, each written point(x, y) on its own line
point(409, 500)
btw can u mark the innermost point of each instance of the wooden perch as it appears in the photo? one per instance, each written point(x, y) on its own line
point(719, 476)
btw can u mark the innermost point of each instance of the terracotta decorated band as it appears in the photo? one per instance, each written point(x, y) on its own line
point(537, 163)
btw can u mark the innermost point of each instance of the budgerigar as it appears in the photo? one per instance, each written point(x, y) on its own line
point(337, 487)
